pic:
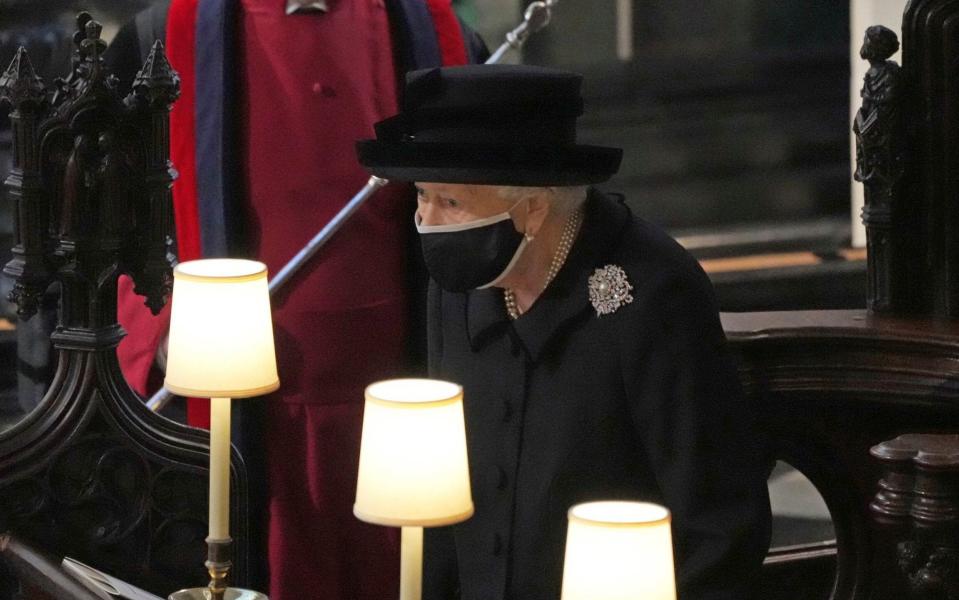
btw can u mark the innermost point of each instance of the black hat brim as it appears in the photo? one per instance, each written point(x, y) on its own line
point(489, 164)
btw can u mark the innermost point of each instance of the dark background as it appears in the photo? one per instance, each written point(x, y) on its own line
point(733, 115)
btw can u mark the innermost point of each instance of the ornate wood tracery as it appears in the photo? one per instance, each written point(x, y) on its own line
point(92, 473)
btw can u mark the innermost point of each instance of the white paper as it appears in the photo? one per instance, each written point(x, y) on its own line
point(103, 585)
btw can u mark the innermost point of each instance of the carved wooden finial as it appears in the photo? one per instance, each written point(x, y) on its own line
point(157, 82)
point(91, 45)
point(104, 206)
point(19, 82)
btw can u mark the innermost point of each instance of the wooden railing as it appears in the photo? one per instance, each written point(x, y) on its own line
point(829, 385)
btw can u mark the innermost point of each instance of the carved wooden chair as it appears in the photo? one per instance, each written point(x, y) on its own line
point(91, 473)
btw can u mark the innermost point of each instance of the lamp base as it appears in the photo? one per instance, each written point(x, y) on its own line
point(204, 593)
point(218, 563)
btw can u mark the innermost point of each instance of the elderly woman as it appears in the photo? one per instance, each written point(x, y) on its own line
point(586, 340)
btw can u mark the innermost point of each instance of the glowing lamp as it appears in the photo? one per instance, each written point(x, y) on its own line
point(619, 551)
point(413, 465)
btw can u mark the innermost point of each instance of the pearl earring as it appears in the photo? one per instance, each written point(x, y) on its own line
point(529, 237)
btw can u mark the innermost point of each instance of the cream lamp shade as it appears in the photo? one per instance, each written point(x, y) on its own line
point(413, 463)
point(619, 551)
point(221, 330)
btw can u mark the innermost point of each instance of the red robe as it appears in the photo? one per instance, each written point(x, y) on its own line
point(323, 80)
point(309, 86)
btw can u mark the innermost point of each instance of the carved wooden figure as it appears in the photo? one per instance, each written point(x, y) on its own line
point(879, 159)
point(92, 473)
point(907, 159)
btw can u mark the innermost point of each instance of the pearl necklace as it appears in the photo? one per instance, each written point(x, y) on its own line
point(570, 229)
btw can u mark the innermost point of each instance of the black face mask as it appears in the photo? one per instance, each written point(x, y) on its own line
point(471, 255)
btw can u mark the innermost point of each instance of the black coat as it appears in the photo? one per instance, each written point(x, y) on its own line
point(563, 406)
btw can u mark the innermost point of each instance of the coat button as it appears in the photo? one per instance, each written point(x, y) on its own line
point(497, 544)
point(507, 411)
point(496, 478)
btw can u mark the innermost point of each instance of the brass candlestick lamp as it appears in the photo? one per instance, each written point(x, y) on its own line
point(221, 347)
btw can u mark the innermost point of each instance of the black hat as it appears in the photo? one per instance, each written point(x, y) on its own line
point(488, 124)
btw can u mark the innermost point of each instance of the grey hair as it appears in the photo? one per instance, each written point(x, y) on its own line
point(563, 200)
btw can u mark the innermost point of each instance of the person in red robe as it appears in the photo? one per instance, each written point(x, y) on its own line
point(301, 88)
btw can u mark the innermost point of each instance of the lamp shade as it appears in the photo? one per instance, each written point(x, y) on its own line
point(221, 330)
point(413, 464)
point(619, 551)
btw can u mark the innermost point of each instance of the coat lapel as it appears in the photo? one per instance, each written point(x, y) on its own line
point(567, 298)
point(485, 315)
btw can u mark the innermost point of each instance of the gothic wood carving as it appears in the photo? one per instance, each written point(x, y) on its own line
point(914, 256)
point(919, 495)
point(92, 473)
point(879, 160)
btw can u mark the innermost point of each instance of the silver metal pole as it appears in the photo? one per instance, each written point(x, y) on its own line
point(160, 399)
point(276, 283)
point(536, 17)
